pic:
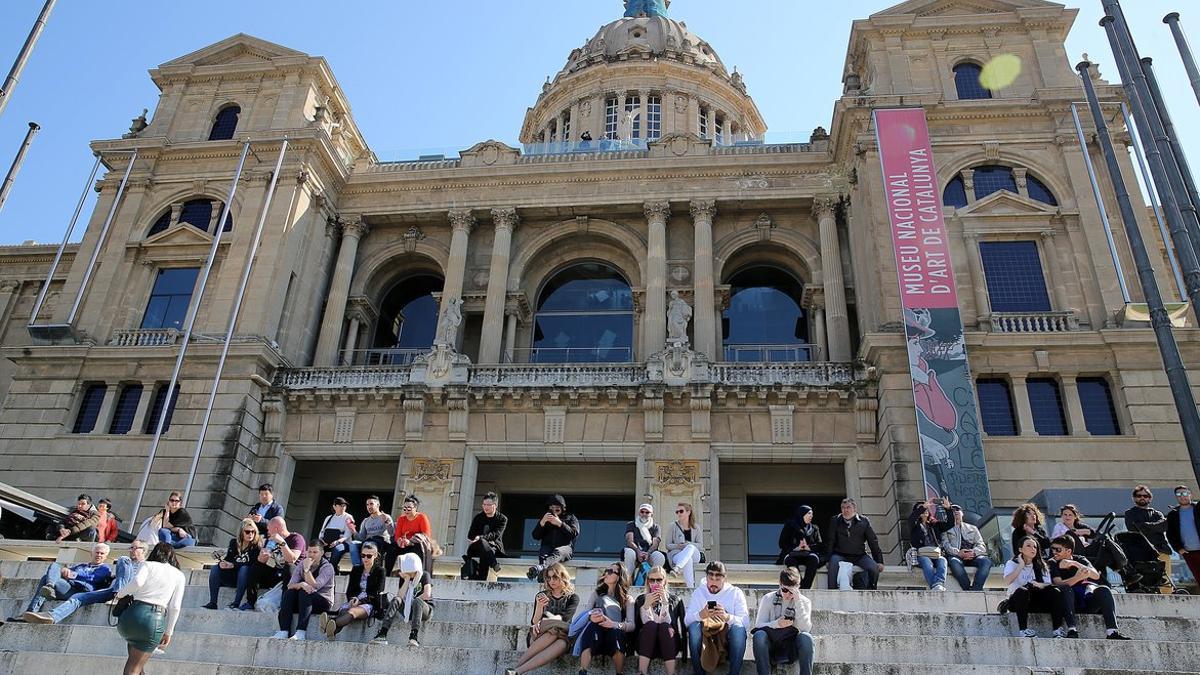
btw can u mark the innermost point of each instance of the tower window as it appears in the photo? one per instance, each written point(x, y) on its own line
point(1045, 400)
point(996, 407)
point(225, 123)
point(610, 118)
point(566, 127)
point(654, 117)
point(127, 403)
point(195, 212)
point(1014, 276)
point(966, 81)
point(703, 123)
point(156, 406)
point(719, 132)
point(1099, 412)
point(89, 408)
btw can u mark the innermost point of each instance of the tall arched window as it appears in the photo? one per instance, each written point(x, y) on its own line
point(408, 317)
point(225, 123)
point(765, 321)
point(990, 179)
point(966, 81)
point(584, 315)
point(196, 212)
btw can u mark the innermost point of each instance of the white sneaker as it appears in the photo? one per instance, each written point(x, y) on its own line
point(1060, 632)
point(939, 588)
point(280, 635)
point(1028, 632)
point(300, 635)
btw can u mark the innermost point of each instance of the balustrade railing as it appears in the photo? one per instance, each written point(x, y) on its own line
point(355, 377)
point(144, 337)
point(558, 375)
point(818, 374)
point(1034, 322)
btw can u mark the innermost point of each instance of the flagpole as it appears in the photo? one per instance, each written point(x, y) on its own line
point(14, 75)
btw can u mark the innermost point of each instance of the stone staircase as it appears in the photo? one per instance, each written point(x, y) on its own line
point(479, 627)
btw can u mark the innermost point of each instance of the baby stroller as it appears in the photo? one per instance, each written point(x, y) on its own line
point(1151, 573)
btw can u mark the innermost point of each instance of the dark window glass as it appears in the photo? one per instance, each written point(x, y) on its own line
point(196, 212)
point(408, 319)
point(89, 408)
point(990, 179)
point(1038, 191)
point(966, 81)
point(955, 194)
point(1046, 401)
point(1099, 411)
point(225, 123)
point(996, 407)
point(127, 403)
point(156, 406)
point(766, 514)
point(602, 520)
point(170, 297)
point(1014, 276)
point(161, 224)
point(765, 321)
point(584, 315)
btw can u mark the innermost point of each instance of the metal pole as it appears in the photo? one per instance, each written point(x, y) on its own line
point(10, 82)
point(1181, 390)
point(1091, 169)
point(193, 310)
point(41, 298)
point(6, 186)
point(1150, 190)
point(1158, 167)
point(233, 316)
point(1176, 154)
point(1185, 52)
point(91, 266)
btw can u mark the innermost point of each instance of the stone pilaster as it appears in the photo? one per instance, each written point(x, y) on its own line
point(836, 317)
point(703, 211)
point(983, 309)
point(654, 331)
point(505, 221)
point(1054, 274)
point(353, 230)
point(461, 224)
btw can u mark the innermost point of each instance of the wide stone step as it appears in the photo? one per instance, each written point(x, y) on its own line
point(46, 663)
point(855, 649)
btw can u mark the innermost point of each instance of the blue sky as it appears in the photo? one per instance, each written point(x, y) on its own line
point(433, 76)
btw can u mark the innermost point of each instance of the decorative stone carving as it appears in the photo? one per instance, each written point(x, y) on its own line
point(432, 470)
point(273, 411)
point(138, 124)
point(679, 313)
point(657, 210)
point(680, 273)
point(681, 104)
point(991, 150)
point(703, 209)
point(701, 418)
point(782, 424)
point(451, 319)
point(818, 134)
point(456, 425)
point(652, 417)
point(353, 226)
point(555, 425)
point(343, 426)
point(505, 218)
point(677, 474)
point(462, 219)
point(480, 279)
point(414, 418)
point(736, 80)
point(412, 237)
point(824, 206)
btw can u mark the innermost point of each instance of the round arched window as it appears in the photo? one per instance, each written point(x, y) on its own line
point(765, 321)
point(584, 315)
point(408, 319)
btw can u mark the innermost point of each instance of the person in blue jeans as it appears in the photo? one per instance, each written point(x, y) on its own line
point(925, 536)
point(783, 627)
point(712, 604)
point(964, 547)
point(127, 566)
point(235, 569)
point(175, 524)
point(92, 578)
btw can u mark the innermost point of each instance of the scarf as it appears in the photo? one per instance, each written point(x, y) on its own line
point(643, 526)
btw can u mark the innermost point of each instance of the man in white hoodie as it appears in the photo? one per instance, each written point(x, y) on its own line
point(712, 603)
point(782, 626)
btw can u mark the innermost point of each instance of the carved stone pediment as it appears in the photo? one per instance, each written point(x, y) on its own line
point(1005, 203)
point(679, 144)
point(489, 153)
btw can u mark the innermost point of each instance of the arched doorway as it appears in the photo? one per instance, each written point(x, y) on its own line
point(407, 321)
point(584, 315)
point(765, 320)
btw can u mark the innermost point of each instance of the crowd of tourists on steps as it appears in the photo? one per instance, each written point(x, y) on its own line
point(637, 610)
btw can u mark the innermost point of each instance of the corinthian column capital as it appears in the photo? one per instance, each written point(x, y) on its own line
point(353, 226)
point(505, 218)
point(703, 209)
point(657, 210)
point(824, 206)
point(461, 219)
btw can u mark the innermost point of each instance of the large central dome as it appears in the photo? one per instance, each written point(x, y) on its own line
point(644, 37)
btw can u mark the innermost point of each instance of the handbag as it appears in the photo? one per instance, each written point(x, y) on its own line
point(121, 605)
point(270, 601)
point(933, 552)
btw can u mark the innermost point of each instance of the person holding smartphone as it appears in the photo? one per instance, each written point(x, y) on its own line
point(717, 611)
point(658, 623)
point(553, 607)
point(557, 531)
point(1075, 576)
point(610, 618)
point(1030, 588)
point(783, 625)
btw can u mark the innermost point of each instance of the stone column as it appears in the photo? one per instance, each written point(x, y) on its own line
point(1076, 424)
point(644, 112)
point(510, 333)
point(825, 210)
point(1054, 275)
point(968, 176)
point(711, 116)
point(704, 326)
point(505, 221)
point(353, 230)
point(597, 117)
point(104, 417)
point(983, 308)
point(819, 329)
point(1020, 395)
point(654, 331)
point(351, 342)
point(461, 224)
point(727, 131)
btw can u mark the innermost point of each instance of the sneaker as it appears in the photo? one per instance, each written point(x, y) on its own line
point(330, 628)
point(47, 592)
point(38, 617)
point(532, 572)
point(211, 605)
point(233, 606)
point(300, 635)
point(1117, 636)
point(246, 607)
point(322, 620)
point(280, 635)
point(939, 588)
point(1073, 633)
point(412, 642)
point(1002, 608)
point(159, 650)
point(380, 639)
point(1028, 632)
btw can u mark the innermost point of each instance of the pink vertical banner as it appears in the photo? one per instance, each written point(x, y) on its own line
point(943, 392)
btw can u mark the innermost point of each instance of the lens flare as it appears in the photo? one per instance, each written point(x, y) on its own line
point(1000, 72)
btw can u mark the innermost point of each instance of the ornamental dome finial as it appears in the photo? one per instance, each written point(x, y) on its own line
point(636, 8)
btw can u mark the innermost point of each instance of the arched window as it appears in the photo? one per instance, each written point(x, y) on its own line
point(955, 194)
point(765, 321)
point(966, 81)
point(584, 315)
point(1039, 191)
point(408, 317)
point(993, 178)
point(196, 212)
point(225, 123)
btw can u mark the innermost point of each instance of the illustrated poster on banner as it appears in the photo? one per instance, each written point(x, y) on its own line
point(947, 413)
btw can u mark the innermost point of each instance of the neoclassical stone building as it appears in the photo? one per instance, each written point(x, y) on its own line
point(517, 319)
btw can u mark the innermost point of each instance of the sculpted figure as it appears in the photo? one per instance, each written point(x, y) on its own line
point(678, 315)
point(451, 318)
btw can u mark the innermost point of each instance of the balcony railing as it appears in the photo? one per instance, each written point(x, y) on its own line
point(381, 357)
point(355, 377)
point(1034, 322)
point(819, 374)
point(771, 353)
point(558, 375)
point(549, 355)
point(145, 337)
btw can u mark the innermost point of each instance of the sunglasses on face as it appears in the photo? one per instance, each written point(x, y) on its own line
point(680, 511)
point(174, 501)
point(368, 556)
point(1057, 549)
point(787, 591)
point(656, 581)
point(249, 531)
point(612, 572)
point(550, 577)
point(1184, 493)
point(1141, 496)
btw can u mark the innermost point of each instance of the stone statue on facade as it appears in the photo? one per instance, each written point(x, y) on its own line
point(635, 8)
point(451, 319)
point(679, 313)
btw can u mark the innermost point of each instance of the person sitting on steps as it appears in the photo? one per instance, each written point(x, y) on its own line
point(642, 541)
point(658, 631)
point(78, 525)
point(363, 588)
point(485, 538)
point(410, 523)
point(557, 531)
point(236, 568)
point(337, 533)
point(85, 583)
point(716, 616)
point(309, 589)
point(800, 545)
point(783, 627)
point(850, 535)
point(1030, 588)
point(685, 541)
point(413, 603)
point(964, 547)
point(1075, 576)
point(610, 617)
point(553, 607)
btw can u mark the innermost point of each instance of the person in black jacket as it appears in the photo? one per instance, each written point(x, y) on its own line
point(850, 534)
point(485, 539)
point(175, 524)
point(266, 508)
point(800, 545)
point(235, 569)
point(365, 584)
point(925, 533)
point(658, 624)
point(1028, 521)
point(1183, 529)
point(557, 530)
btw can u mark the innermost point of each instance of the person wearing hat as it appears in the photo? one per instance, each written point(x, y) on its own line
point(413, 603)
point(642, 539)
point(964, 547)
point(338, 532)
point(557, 531)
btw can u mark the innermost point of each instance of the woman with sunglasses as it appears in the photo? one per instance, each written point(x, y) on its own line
point(363, 587)
point(410, 523)
point(234, 569)
point(782, 628)
point(658, 623)
point(175, 524)
point(310, 589)
point(1030, 588)
point(609, 611)
point(685, 541)
point(553, 607)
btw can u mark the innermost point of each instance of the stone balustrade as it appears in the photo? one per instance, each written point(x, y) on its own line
point(145, 337)
point(1034, 322)
point(356, 377)
point(814, 374)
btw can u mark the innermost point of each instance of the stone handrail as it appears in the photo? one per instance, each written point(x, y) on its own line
point(813, 374)
point(559, 374)
point(356, 377)
point(1034, 322)
point(144, 337)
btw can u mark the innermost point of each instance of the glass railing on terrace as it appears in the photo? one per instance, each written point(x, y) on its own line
point(794, 353)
